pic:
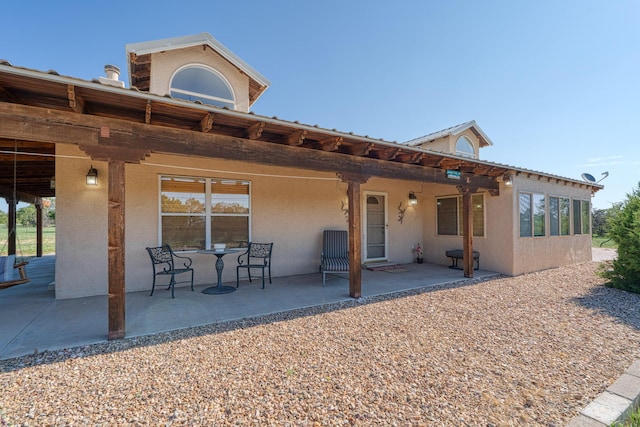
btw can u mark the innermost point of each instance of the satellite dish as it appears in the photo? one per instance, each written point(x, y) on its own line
point(590, 178)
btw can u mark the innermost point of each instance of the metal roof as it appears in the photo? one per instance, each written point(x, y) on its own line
point(454, 130)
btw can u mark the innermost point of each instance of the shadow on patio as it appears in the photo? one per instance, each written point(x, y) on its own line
point(34, 321)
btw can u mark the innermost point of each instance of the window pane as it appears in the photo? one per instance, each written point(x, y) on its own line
point(525, 215)
point(585, 217)
point(478, 215)
point(232, 230)
point(554, 216)
point(182, 195)
point(448, 216)
point(229, 196)
point(202, 81)
point(464, 147)
point(565, 217)
point(183, 233)
point(577, 223)
point(539, 209)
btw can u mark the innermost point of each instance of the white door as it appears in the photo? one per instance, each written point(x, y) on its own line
point(375, 226)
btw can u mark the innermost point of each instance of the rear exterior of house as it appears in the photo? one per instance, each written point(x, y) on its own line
point(527, 221)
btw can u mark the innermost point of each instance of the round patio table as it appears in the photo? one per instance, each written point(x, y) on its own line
point(219, 288)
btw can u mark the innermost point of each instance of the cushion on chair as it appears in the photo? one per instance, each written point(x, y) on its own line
point(336, 264)
point(7, 270)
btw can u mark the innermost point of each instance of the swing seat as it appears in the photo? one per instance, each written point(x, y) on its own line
point(8, 267)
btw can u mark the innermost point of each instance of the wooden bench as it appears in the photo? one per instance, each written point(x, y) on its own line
point(457, 254)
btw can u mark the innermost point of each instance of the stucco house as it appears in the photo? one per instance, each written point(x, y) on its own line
point(180, 159)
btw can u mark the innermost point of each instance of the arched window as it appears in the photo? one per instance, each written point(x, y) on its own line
point(464, 147)
point(197, 83)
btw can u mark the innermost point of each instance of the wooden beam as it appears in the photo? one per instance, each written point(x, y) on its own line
point(255, 130)
point(45, 125)
point(76, 102)
point(296, 137)
point(39, 230)
point(355, 240)
point(206, 123)
point(105, 153)
point(116, 251)
point(359, 149)
point(467, 230)
point(147, 113)
point(331, 144)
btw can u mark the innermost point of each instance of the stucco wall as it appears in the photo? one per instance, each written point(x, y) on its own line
point(165, 64)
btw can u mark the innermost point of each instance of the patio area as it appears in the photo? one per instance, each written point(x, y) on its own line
point(34, 321)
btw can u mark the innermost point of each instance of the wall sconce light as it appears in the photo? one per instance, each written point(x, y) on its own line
point(413, 200)
point(92, 176)
point(508, 181)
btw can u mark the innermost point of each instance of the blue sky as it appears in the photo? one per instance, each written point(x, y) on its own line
point(555, 85)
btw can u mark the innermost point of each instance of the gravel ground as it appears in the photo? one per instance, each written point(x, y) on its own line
point(527, 350)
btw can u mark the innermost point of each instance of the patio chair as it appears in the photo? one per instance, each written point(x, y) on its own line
point(164, 264)
point(258, 255)
point(335, 253)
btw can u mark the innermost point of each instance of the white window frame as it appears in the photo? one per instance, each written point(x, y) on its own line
point(208, 215)
point(232, 102)
point(467, 141)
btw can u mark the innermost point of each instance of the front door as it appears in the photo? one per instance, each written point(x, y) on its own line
point(375, 226)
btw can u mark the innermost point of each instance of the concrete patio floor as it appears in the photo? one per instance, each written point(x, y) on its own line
point(34, 321)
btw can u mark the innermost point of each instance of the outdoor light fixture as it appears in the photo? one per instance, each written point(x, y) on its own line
point(92, 176)
point(413, 200)
point(508, 181)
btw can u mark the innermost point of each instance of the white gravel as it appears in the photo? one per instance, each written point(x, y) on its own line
point(529, 350)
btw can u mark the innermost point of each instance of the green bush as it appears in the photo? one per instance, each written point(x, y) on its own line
point(624, 229)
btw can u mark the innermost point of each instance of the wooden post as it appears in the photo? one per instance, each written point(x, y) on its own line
point(116, 249)
point(467, 232)
point(355, 240)
point(39, 230)
point(11, 227)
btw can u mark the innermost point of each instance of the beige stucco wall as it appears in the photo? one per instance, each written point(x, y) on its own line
point(165, 64)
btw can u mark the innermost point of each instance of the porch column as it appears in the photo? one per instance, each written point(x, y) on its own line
point(11, 227)
point(116, 249)
point(355, 238)
point(467, 230)
point(116, 157)
point(39, 229)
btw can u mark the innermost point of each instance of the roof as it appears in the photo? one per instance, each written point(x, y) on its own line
point(453, 131)
point(52, 92)
point(138, 60)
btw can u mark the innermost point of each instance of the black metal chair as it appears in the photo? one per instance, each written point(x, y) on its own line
point(164, 264)
point(258, 255)
point(335, 253)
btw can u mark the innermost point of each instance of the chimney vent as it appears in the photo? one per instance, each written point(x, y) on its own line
point(113, 74)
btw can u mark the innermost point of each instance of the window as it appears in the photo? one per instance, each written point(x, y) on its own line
point(197, 83)
point(581, 217)
point(464, 147)
point(449, 212)
point(559, 216)
point(532, 215)
point(196, 212)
